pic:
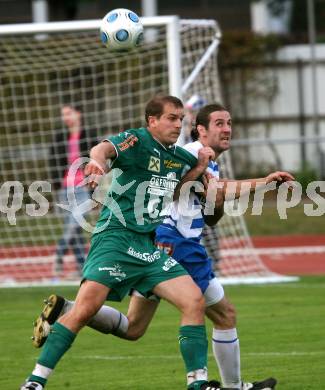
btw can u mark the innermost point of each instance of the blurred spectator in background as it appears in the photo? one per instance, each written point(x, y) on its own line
point(71, 143)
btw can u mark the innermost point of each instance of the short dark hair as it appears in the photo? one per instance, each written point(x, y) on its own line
point(74, 106)
point(203, 118)
point(155, 106)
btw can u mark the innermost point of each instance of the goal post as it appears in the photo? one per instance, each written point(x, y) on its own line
point(171, 23)
point(47, 65)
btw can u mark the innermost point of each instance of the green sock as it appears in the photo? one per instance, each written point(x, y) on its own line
point(57, 343)
point(196, 385)
point(194, 346)
point(38, 379)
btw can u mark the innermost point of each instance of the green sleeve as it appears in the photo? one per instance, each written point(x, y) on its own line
point(127, 145)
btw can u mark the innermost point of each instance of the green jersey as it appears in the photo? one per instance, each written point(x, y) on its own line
point(145, 175)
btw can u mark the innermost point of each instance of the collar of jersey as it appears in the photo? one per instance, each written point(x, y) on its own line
point(158, 142)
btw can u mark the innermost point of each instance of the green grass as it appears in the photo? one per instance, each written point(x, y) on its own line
point(269, 222)
point(281, 330)
point(34, 230)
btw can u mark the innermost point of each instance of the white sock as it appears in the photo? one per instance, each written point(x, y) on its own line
point(197, 375)
point(42, 371)
point(106, 320)
point(225, 345)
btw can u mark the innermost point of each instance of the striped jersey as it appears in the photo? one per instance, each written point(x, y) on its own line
point(189, 226)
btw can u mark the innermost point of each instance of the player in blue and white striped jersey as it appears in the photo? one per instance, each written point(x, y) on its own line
point(180, 234)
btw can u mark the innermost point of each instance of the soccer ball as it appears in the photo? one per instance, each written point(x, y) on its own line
point(121, 30)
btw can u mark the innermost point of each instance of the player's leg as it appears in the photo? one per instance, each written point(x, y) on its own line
point(141, 310)
point(140, 313)
point(177, 247)
point(90, 298)
point(225, 343)
point(107, 320)
point(194, 258)
point(186, 296)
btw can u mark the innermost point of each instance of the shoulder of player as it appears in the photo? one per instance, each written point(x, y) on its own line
point(140, 134)
point(193, 147)
point(186, 155)
point(130, 138)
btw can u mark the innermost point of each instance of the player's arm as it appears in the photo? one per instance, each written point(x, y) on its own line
point(222, 188)
point(216, 204)
point(233, 187)
point(97, 166)
point(218, 211)
point(204, 156)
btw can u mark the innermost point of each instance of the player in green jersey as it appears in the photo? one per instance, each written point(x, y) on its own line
point(122, 254)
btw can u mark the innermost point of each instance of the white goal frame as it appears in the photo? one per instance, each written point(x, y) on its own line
point(173, 39)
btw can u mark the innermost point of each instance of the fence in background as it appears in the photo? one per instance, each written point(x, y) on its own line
point(275, 125)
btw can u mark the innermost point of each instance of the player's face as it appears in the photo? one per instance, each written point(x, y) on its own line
point(167, 128)
point(218, 134)
point(70, 116)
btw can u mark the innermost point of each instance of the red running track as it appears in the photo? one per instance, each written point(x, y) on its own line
point(293, 255)
point(286, 255)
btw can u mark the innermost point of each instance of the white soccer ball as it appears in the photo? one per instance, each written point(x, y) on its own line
point(121, 30)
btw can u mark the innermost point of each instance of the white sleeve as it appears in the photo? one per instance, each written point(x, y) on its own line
point(193, 148)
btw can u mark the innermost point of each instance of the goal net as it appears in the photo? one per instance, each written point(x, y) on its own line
point(46, 66)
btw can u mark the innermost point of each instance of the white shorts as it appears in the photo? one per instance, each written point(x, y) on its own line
point(214, 293)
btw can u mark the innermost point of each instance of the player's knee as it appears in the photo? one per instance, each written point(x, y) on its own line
point(82, 315)
point(135, 332)
point(134, 335)
point(196, 304)
point(137, 327)
point(226, 317)
point(83, 318)
point(73, 321)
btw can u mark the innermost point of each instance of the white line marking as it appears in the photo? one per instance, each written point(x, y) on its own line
point(239, 252)
point(178, 356)
point(161, 357)
point(286, 250)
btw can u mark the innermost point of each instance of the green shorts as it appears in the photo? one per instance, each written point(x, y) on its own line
point(124, 260)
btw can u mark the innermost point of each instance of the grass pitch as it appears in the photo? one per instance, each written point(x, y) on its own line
point(281, 330)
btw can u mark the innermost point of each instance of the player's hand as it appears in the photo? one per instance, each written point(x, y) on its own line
point(280, 177)
point(206, 177)
point(220, 198)
point(209, 180)
point(204, 156)
point(94, 172)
